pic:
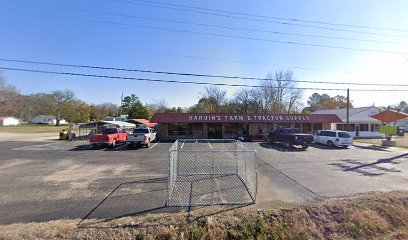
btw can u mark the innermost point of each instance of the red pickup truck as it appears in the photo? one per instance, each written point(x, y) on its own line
point(110, 137)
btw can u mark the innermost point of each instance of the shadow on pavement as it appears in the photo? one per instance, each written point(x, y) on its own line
point(325, 147)
point(372, 147)
point(371, 169)
point(279, 147)
point(148, 201)
point(154, 189)
point(119, 147)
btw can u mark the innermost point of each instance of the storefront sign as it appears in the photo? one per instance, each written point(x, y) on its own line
point(245, 118)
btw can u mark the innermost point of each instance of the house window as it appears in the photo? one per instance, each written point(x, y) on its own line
point(363, 127)
point(343, 127)
point(375, 127)
point(180, 129)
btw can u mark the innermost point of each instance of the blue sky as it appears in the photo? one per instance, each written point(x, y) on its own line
point(66, 32)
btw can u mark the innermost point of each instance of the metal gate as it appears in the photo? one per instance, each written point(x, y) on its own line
point(211, 171)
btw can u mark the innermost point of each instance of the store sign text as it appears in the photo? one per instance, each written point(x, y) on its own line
point(247, 118)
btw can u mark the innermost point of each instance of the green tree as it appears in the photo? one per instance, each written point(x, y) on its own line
point(76, 111)
point(137, 110)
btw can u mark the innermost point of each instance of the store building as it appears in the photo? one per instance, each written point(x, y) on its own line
point(217, 126)
point(360, 121)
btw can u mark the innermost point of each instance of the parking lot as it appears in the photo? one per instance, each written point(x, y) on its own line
point(48, 179)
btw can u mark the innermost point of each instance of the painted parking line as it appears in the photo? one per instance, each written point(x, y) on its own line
point(154, 145)
point(182, 145)
point(209, 145)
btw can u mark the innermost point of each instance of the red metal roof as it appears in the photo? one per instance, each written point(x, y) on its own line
point(390, 116)
point(143, 121)
point(259, 118)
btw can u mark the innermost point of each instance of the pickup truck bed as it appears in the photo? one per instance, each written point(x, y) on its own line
point(109, 137)
point(141, 136)
point(290, 137)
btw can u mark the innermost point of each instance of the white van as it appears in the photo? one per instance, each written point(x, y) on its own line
point(333, 138)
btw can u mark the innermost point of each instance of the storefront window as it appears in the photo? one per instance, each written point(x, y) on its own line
point(298, 125)
point(180, 129)
point(364, 127)
point(317, 126)
point(197, 128)
point(306, 128)
point(233, 128)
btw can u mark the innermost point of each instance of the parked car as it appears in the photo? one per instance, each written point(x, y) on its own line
point(290, 137)
point(333, 138)
point(244, 138)
point(109, 137)
point(141, 136)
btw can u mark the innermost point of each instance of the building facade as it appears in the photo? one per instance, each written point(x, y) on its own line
point(9, 121)
point(174, 126)
point(361, 122)
point(47, 119)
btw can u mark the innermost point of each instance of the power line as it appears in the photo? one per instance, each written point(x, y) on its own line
point(263, 20)
point(225, 60)
point(191, 82)
point(243, 29)
point(196, 74)
point(278, 18)
point(244, 37)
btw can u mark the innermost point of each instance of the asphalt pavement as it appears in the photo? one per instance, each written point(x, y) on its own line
point(47, 180)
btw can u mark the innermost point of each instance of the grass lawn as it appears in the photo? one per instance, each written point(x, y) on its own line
point(374, 216)
point(402, 142)
point(31, 128)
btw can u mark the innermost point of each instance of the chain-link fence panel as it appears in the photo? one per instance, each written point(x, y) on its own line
point(211, 171)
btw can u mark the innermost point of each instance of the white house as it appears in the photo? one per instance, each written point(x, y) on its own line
point(9, 121)
point(122, 118)
point(361, 122)
point(403, 123)
point(47, 119)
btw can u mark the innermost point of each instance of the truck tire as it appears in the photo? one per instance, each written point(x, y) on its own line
point(94, 146)
point(113, 143)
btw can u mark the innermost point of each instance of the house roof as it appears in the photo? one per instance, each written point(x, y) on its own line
point(2, 118)
point(361, 114)
point(45, 116)
point(244, 118)
point(390, 116)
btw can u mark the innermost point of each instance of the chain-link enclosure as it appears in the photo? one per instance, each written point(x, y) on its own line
point(211, 171)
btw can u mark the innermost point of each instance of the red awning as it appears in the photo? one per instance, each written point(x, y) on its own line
point(389, 116)
point(247, 118)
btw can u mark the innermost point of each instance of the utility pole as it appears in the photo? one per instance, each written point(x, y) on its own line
point(121, 105)
point(348, 109)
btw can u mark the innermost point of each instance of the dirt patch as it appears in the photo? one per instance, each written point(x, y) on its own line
point(12, 163)
point(374, 216)
point(31, 137)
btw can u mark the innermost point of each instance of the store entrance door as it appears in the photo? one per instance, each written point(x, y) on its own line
point(214, 131)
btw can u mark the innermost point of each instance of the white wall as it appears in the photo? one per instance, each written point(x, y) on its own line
point(10, 122)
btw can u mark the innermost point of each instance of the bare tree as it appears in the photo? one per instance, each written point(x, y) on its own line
point(279, 93)
point(58, 101)
point(212, 100)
